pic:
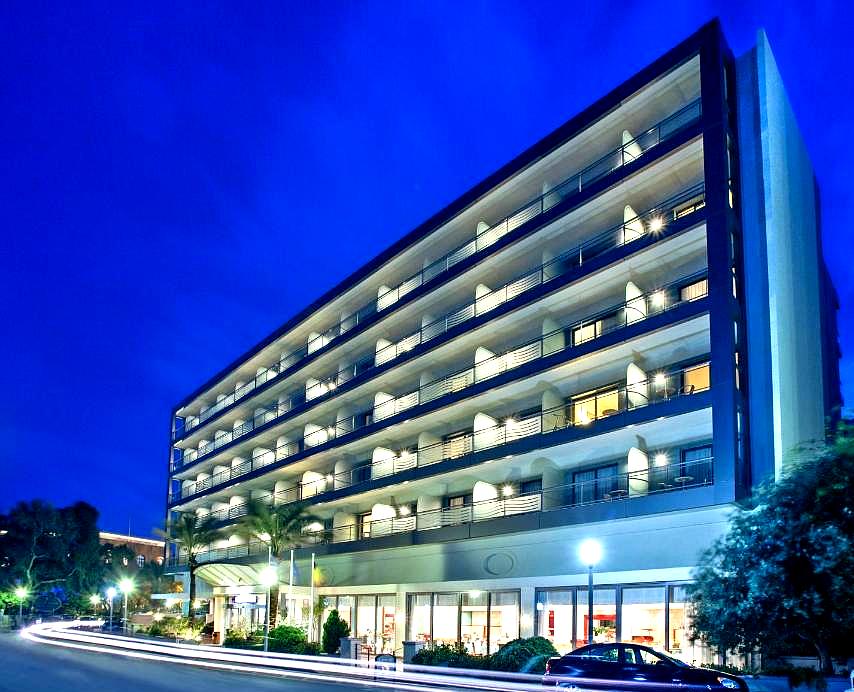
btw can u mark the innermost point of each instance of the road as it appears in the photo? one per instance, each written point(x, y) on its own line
point(31, 667)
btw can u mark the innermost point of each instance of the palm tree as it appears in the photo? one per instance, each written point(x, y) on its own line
point(192, 534)
point(280, 527)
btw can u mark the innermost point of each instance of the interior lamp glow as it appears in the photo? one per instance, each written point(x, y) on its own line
point(656, 223)
point(658, 299)
point(590, 552)
point(268, 576)
point(405, 511)
point(659, 379)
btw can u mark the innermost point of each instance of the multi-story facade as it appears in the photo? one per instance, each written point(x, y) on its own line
point(145, 550)
point(617, 335)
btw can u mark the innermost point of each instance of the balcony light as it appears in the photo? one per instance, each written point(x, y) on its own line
point(329, 478)
point(404, 511)
point(475, 594)
point(510, 420)
point(314, 527)
point(507, 490)
point(657, 299)
point(660, 459)
point(583, 418)
point(656, 223)
point(659, 380)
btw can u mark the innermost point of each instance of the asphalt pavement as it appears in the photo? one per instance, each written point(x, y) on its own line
point(27, 666)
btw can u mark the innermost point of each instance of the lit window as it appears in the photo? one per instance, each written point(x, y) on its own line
point(140, 561)
point(696, 379)
point(699, 289)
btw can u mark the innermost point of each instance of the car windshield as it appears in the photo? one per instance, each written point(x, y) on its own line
point(670, 659)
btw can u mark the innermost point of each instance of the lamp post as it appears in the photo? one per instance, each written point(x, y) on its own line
point(21, 594)
point(268, 577)
point(126, 587)
point(590, 552)
point(111, 594)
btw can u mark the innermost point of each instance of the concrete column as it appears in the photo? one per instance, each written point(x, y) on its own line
point(638, 466)
point(554, 338)
point(637, 387)
point(486, 432)
point(632, 226)
point(635, 304)
point(486, 365)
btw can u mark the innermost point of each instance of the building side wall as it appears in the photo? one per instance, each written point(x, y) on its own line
point(782, 266)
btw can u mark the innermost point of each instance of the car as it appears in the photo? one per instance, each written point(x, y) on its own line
point(634, 668)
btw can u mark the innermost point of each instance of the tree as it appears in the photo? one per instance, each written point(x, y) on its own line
point(192, 534)
point(281, 527)
point(50, 549)
point(333, 629)
point(784, 569)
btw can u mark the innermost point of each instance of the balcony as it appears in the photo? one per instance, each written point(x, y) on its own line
point(649, 224)
point(578, 412)
point(569, 188)
point(622, 315)
point(618, 488)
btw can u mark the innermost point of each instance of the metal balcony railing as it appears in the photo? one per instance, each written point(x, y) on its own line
point(568, 188)
point(577, 333)
point(620, 487)
point(649, 222)
point(580, 411)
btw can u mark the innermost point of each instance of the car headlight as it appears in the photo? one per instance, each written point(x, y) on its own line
point(728, 683)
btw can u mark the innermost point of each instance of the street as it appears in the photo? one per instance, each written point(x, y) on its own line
point(32, 667)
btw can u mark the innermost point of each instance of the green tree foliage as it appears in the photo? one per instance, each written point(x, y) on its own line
point(192, 534)
point(281, 526)
point(333, 629)
point(784, 570)
point(47, 548)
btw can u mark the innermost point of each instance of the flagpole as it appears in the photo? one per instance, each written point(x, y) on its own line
point(311, 599)
point(291, 590)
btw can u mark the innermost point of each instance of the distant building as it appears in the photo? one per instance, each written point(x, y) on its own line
point(145, 550)
point(616, 336)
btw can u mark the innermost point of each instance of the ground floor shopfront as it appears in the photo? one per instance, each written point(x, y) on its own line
point(482, 620)
point(483, 592)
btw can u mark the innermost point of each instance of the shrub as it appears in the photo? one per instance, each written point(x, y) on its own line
point(241, 638)
point(523, 655)
point(311, 649)
point(333, 629)
point(288, 640)
point(450, 656)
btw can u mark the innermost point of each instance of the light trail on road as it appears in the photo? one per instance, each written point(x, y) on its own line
point(341, 671)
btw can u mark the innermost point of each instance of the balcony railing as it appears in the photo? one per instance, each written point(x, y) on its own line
point(568, 188)
point(579, 412)
point(620, 487)
point(651, 221)
point(577, 333)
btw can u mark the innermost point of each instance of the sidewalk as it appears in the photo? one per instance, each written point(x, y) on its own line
point(775, 684)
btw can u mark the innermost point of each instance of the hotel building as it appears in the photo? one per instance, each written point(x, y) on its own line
point(615, 336)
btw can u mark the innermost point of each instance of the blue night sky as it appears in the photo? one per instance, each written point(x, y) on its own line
point(169, 174)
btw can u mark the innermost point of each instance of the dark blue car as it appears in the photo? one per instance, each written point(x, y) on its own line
point(634, 668)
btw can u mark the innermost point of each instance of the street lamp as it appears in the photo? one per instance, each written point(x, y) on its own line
point(126, 587)
point(94, 599)
point(268, 576)
point(111, 594)
point(21, 594)
point(590, 552)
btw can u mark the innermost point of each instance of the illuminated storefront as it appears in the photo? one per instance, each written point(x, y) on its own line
point(651, 614)
point(371, 617)
point(481, 621)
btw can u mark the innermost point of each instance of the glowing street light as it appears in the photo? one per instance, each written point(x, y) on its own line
point(21, 594)
point(126, 586)
point(94, 599)
point(590, 553)
point(111, 594)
